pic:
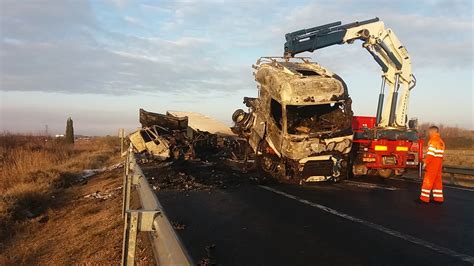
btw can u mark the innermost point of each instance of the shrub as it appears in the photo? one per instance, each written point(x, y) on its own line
point(454, 137)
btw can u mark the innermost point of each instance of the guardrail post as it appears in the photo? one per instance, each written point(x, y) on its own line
point(130, 238)
point(128, 192)
point(124, 185)
point(127, 181)
point(135, 221)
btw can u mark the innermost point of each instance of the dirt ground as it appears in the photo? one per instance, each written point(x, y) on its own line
point(80, 228)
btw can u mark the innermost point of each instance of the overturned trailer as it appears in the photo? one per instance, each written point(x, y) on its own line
point(299, 126)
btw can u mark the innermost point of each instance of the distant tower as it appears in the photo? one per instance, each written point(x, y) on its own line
point(46, 131)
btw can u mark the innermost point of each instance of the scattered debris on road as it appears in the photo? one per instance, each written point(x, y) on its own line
point(178, 225)
point(210, 258)
point(194, 175)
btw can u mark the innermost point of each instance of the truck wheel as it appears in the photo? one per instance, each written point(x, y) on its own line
point(386, 173)
point(265, 167)
point(343, 175)
point(399, 172)
point(346, 168)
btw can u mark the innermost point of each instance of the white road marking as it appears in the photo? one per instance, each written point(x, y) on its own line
point(380, 228)
point(368, 185)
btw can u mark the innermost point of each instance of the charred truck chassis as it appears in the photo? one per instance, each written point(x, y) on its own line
point(299, 126)
point(170, 137)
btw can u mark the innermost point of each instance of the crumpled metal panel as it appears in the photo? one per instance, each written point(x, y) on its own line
point(154, 144)
point(300, 83)
point(149, 119)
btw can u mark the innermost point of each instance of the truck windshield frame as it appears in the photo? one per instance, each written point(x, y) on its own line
point(317, 119)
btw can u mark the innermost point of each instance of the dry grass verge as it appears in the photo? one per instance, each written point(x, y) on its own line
point(36, 172)
point(459, 158)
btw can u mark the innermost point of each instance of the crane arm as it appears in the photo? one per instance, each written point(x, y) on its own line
point(384, 47)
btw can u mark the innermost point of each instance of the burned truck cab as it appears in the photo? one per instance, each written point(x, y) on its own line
point(299, 126)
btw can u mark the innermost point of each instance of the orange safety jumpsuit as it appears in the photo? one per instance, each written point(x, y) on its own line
point(434, 167)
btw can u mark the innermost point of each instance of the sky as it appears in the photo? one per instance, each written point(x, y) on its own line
point(100, 61)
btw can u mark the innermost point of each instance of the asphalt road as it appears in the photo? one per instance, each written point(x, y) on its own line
point(364, 221)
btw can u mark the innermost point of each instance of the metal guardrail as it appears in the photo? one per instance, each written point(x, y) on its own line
point(461, 170)
point(167, 248)
point(461, 176)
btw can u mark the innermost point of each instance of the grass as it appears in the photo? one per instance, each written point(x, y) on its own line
point(455, 138)
point(34, 170)
point(459, 158)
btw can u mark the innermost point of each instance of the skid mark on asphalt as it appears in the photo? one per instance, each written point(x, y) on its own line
point(368, 185)
point(383, 229)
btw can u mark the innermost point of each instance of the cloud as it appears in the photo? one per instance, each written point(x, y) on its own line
point(435, 39)
point(35, 21)
point(82, 57)
point(133, 21)
point(196, 46)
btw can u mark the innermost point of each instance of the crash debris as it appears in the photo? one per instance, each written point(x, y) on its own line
point(185, 136)
point(104, 195)
point(91, 172)
point(193, 175)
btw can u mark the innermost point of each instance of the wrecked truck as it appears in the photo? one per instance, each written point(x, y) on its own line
point(162, 136)
point(186, 136)
point(299, 126)
point(148, 140)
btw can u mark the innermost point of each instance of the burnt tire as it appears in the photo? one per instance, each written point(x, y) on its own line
point(399, 172)
point(264, 173)
point(345, 173)
point(266, 163)
point(346, 170)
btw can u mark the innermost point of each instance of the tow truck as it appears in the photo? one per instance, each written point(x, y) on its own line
point(384, 156)
point(387, 143)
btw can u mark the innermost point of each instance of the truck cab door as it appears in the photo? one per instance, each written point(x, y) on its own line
point(274, 137)
point(275, 126)
point(258, 132)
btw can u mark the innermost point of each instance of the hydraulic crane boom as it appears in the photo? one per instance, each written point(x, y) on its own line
point(384, 47)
